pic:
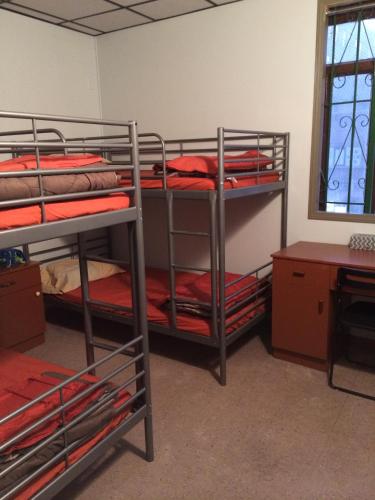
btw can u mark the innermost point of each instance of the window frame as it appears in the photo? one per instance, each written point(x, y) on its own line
point(318, 139)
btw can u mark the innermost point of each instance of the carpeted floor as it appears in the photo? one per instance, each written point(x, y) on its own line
point(276, 431)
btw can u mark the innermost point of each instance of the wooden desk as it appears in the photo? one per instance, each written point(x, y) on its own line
point(304, 276)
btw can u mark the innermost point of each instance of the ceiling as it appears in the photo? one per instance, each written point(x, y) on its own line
point(96, 17)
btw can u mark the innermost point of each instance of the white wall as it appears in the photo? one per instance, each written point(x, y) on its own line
point(249, 64)
point(46, 69)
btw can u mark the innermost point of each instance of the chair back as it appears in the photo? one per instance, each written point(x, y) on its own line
point(356, 281)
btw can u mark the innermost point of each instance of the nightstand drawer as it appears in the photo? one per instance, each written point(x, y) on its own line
point(19, 278)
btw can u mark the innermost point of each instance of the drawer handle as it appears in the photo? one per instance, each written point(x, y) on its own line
point(37, 294)
point(7, 284)
point(298, 274)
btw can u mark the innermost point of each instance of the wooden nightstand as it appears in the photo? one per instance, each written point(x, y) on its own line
point(22, 321)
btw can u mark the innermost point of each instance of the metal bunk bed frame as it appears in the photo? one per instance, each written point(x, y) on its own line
point(137, 348)
point(222, 143)
point(277, 146)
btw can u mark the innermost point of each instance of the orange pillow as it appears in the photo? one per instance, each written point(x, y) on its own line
point(209, 164)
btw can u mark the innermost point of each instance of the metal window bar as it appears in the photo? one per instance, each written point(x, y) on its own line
point(370, 178)
point(339, 69)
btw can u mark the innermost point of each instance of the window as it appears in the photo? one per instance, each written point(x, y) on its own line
point(343, 155)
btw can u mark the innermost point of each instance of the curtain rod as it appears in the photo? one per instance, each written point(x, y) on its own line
point(343, 10)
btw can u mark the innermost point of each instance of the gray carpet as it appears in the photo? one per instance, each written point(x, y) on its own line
point(275, 432)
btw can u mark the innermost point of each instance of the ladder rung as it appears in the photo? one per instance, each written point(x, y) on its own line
point(190, 233)
point(108, 305)
point(97, 258)
point(111, 348)
point(190, 268)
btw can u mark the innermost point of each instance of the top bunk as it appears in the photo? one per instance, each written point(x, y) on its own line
point(51, 187)
point(233, 164)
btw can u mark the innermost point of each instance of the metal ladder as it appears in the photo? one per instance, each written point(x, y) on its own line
point(218, 330)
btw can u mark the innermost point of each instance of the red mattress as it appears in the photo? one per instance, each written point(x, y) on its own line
point(23, 378)
point(117, 290)
point(203, 183)
point(32, 215)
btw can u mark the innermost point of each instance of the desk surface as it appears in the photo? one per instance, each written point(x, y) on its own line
point(327, 253)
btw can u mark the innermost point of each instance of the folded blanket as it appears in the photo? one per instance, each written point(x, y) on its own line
point(29, 162)
point(80, 433)
point(20, 394)
point(28, 187)
point(200, 290)
point(13, 188)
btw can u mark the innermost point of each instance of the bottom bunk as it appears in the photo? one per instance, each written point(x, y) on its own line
point(55, 422)
point(193, 298)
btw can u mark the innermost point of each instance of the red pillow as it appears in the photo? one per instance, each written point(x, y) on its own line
point(209, 164)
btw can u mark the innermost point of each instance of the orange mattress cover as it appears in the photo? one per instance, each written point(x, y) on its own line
point(117, 290)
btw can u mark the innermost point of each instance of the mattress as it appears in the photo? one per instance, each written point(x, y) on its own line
point(22, 378)
point(117, 290)
point(204, 183)
point(32, 215)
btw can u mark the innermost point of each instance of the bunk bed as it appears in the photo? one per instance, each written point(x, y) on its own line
point(207, 305)
point(55, 422)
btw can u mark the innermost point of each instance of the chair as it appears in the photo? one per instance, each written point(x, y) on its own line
point(358, 313)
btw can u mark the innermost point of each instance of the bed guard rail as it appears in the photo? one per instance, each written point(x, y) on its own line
point(37, 146)
point(154, 150)
point(107, 397)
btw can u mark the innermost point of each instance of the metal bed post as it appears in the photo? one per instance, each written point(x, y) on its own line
point(221, 252)
point(40, 178)
point(134, 283)
point(171, 257)
point(89, 337)
point(141, 289)
point(135, 295)
point(213, 258)
point(284, 201)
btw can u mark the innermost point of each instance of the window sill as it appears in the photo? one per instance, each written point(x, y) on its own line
point(330, 216)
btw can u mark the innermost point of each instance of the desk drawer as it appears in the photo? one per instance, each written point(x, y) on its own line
point(302, 274)
point(18, 279)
